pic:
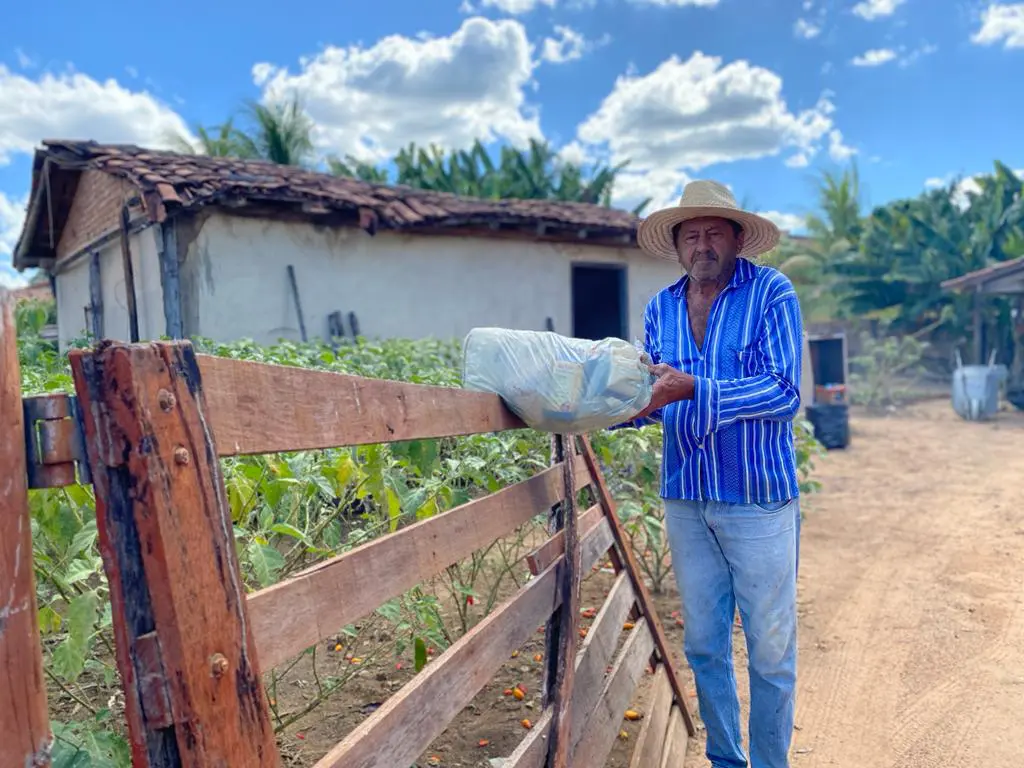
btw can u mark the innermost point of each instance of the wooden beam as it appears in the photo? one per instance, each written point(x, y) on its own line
point(651, 742)
point(568, 616)
point(643, 596)
point(398, 732)
point(542, 557)
point(255, 408)
point(185, 647)
point(24, 721)
point(294, 614)
point(675, 741)
point(604, 723)
point(170, 281)
point(129, 277)
point(595, 654)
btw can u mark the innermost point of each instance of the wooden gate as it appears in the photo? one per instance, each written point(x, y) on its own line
point(191, 643)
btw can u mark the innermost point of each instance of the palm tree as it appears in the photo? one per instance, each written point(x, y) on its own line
point(281, 133)
point(222, 140)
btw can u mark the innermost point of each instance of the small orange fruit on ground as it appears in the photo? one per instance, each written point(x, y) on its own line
point(628, 625)
point(538, 657)
point(519, 695)
point(483, 743)
point(632, 714)
point(507, 692)
point(525, 722)
point(337, 647)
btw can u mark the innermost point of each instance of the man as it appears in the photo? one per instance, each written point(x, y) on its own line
point(726, 344)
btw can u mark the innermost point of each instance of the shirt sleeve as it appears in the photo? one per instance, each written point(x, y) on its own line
point(773, 393)
point(652, 346)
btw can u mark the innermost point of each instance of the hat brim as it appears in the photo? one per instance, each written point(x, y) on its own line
point(654, 235)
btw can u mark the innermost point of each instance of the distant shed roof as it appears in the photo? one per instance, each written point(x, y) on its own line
point(1004, 277)
point(169, 182)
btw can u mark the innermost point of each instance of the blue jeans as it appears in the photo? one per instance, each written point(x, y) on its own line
point(746, 555)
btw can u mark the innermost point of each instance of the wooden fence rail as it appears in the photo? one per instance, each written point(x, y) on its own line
point(192, 644)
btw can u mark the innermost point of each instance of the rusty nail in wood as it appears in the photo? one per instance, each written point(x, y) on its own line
point(181, 456)
point(218, 665)
point(166, 399)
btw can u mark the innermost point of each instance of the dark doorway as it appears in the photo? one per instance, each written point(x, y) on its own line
point(599, 305)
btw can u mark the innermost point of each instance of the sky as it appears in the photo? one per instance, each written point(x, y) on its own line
point(763, 95)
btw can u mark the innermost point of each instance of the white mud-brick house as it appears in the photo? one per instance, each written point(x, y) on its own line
point(185, 245)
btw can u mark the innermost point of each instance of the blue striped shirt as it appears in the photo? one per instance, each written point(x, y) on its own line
point(733, 442)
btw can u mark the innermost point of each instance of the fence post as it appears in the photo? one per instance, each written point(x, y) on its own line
point(24, 722)
point(185, 649)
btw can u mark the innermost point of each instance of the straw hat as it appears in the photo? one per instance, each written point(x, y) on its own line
point(705, 198)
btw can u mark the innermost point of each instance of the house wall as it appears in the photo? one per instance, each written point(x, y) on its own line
point(73, 294)
point(235, 282)
point(95, 211)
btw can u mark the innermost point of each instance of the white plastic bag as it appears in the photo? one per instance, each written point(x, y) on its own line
point(555, 383)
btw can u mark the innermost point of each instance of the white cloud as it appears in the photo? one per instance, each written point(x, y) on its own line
point(663, 186)
point(1001, 23)
point(837, 150)
point(371, 102)
point(787, 222)
point(874, 58)
point(513, 7)
point(12, 214)
point(568, 45)
point(686, 115)
point(24, 60)
point(869, 10)
point(964, 185)
point(677, 3)
point(74, 106)
point(812, 23)
point(574, 153)
point(878, 56)
point(806, 29)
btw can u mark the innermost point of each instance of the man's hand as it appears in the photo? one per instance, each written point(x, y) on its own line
point(671, 386)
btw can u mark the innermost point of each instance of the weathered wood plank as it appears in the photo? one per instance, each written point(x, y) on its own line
point(651, 742)
point(603, 725)
point(294, 614)
point(642, 594)
point(24, 723)
point(262, 408)
point(398, 732)
point(595, 654)
point(675, 742)
point(184, 639)
point(553, 548)
point(568, 617)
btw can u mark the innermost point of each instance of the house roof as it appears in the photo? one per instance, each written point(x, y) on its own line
point(39, 292)
point(170, 182)
point(1004, 277)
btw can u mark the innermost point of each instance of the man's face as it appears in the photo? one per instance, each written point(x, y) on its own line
point(707, 248)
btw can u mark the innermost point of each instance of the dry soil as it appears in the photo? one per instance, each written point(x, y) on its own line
point(912, 598)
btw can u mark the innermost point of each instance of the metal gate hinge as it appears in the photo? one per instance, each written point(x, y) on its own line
point(55, 442)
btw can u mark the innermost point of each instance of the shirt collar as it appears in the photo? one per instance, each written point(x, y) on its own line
point(744, 271)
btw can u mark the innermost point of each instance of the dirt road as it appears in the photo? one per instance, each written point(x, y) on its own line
point(912, 598)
